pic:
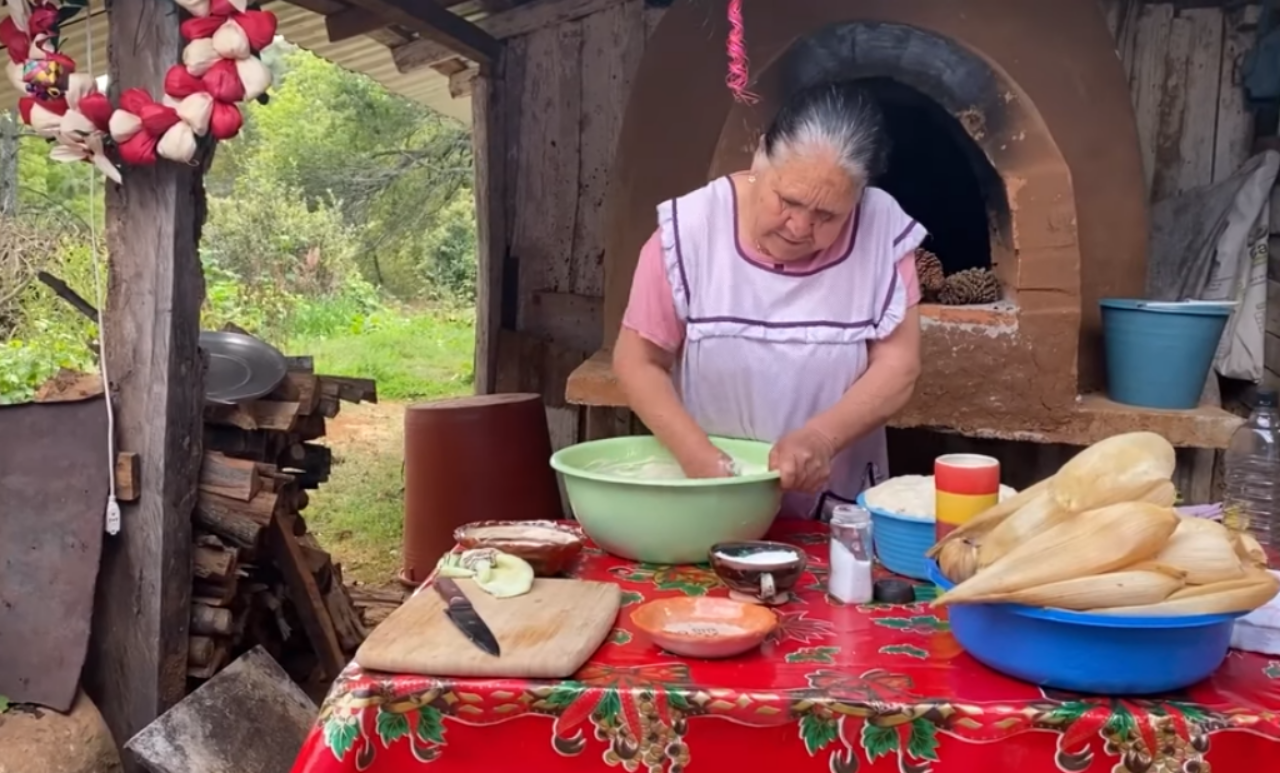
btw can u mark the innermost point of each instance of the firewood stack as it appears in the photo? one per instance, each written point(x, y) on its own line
point(258, 576)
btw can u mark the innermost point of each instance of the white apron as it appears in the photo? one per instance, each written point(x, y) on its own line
point(766, 350)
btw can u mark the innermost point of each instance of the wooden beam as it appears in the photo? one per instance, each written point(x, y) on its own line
point(518, 21)
point(138, 659)
point(489, 149)
point(437, 24)
point(351, 23)
point(462, 84)
point(347, 22)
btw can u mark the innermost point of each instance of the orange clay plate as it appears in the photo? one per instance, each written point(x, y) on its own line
point(704, 627)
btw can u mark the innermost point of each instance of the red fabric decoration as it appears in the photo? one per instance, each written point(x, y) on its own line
point(97, 108)
point(200, 27)
point(226, 121)
point(138, 150)
point(259, 27)
point(179, 83)
point(158, 119)
point(15, 41)
point(223, 82)
point(43, 20)
point(134, 100)
point(25, 104)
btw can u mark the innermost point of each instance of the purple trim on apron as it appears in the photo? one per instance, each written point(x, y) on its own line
point(675, 227)
point(783, 325)
point(780, 268)
point(905, 233)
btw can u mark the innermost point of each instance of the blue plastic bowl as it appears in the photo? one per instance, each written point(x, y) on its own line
point(901, 541)
point(1090, 653)
point(1158, 355)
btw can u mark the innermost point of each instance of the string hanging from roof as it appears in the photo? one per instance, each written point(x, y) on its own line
point(220, 68)
point(739, 76)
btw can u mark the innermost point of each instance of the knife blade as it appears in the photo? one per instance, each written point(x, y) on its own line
point(459, 609)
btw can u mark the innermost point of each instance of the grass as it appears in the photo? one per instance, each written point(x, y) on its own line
point(358, 515)
point(424, 354)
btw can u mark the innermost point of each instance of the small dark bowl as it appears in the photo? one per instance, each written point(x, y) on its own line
point(548, 546)
point(743, 576)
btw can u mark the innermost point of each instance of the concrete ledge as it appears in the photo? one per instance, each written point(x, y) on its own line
point(1093, 418)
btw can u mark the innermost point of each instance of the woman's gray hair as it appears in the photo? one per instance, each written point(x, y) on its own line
point(841, 118)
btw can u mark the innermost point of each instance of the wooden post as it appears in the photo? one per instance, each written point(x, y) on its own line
point(489, 149)
point(138, 665)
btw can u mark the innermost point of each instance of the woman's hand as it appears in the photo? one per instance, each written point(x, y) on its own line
point(708, 463)
point(804, 459)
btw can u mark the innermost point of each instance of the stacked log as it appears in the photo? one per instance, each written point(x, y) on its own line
point(258, 576)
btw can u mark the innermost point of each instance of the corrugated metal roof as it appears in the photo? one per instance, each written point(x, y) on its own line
point(302, 28)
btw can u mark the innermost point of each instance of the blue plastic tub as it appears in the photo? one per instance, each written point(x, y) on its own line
point(1090, 653)
point(901, 541)
point(1159, 354)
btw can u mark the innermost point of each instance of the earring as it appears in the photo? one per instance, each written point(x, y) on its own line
point(751, 178)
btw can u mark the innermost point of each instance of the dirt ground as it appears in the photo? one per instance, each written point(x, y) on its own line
point(358, 514)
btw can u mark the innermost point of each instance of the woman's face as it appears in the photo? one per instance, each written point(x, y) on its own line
point(802, 202)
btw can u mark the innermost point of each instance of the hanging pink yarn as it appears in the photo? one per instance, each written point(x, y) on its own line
point(739, 75)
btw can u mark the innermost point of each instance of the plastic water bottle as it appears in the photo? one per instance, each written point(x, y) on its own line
point(1253, 477)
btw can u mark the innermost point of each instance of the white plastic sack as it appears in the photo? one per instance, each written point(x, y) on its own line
point(1239, 274)
point(1211, 244)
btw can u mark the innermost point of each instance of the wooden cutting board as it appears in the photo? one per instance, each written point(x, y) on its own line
point(548, 633)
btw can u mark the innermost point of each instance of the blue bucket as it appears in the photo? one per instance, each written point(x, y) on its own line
point(1086, 653)
point(901, 541)
point(1159, 354)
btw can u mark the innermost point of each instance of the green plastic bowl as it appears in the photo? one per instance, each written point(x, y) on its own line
point(666, 521)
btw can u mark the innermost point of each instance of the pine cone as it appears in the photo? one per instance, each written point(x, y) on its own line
point(974, 285)
point(929, 272)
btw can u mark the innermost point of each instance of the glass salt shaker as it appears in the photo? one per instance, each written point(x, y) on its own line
point(850, 577)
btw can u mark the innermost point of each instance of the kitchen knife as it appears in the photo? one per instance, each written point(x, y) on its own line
point(459, 609)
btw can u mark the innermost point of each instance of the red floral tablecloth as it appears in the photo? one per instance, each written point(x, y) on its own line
point(838, 688)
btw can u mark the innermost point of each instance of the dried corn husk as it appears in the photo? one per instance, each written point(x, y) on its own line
point(1038, 515)
point(1125, 588)
point(1221, 598)
point(1204, 550)
point(1118, 469)
point(988, 519)
point(1162, 493)
point(1249, 578)
point(1156, 566)
point(1248, 549)
point(958, 560)
point(1093, 542)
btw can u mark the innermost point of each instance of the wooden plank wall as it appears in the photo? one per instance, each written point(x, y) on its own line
point(566, 88)
point(1184, 66)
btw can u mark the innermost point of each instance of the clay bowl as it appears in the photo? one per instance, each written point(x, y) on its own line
point(548, 546)
point(704, 627)
point(760, 572)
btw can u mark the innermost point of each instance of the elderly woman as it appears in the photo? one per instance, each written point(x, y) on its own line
point(779, 305)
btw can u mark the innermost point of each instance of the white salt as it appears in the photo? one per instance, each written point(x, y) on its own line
point(704, 628)
point(762, 558)
point(849, 579)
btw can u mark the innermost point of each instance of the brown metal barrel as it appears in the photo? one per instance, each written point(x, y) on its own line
point(472, 459)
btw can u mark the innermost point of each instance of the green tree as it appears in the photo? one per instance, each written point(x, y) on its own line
point(339, 139)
